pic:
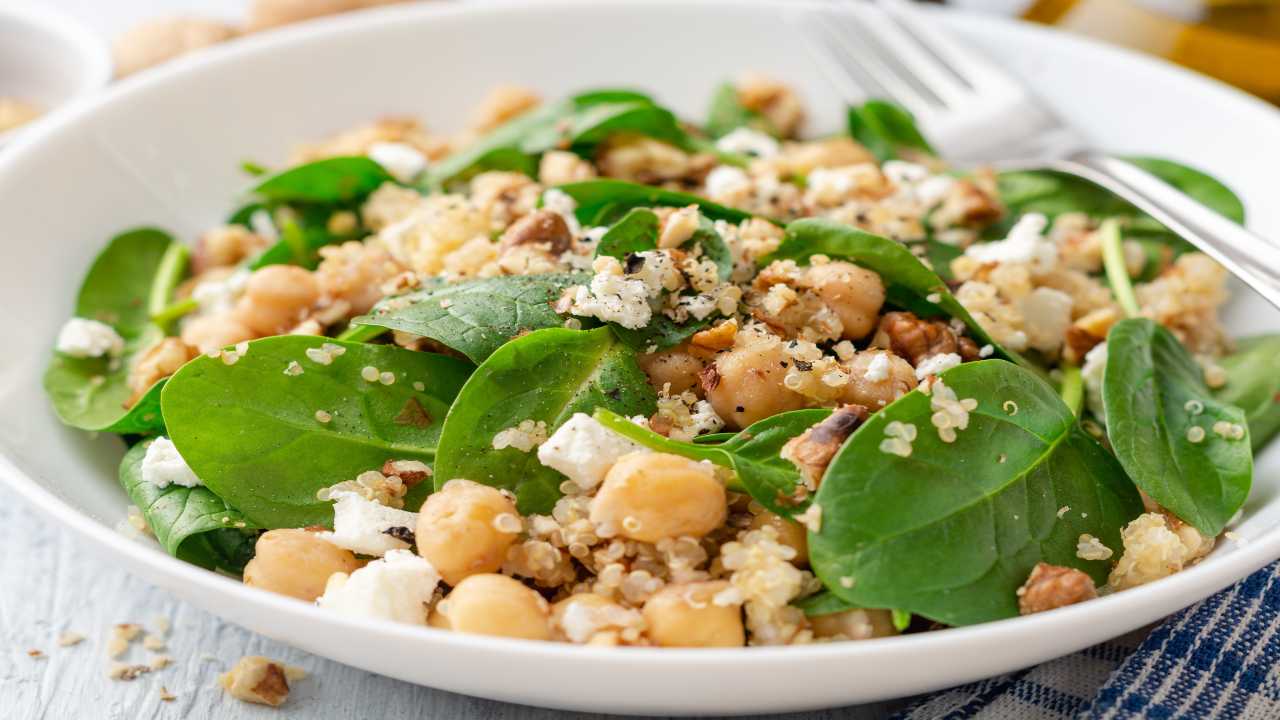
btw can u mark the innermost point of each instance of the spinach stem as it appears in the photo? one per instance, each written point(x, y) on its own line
point(292, 236)
point(172, 268)
point(1117, 269)
point(173, 311)
point(1072, 388)
point(361, 333)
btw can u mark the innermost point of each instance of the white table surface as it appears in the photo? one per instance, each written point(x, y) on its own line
point(50, 583)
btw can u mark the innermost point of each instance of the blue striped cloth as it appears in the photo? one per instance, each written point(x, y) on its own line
point(1217, 659)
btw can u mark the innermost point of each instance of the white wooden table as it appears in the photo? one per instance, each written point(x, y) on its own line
point(50, 584)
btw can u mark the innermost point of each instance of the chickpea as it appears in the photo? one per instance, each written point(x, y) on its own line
point(686, 615)
point(296, 563)
point(456, 531)
point(790, 533)
point(160, 361)
point(651, 496)
point(900, 379)
point(490, 604)
point(674, 367)
point(275, 299)
point(854, 294)
point(747, 383)
point(856, 624)
point(224, 247)
point(209, 333)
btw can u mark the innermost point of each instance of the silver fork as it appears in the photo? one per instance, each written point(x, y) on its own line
point(974, 112)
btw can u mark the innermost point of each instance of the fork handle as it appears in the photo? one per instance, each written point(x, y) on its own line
point(1252, 258)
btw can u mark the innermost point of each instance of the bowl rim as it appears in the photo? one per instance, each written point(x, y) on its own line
point(1226, 569)
point(93, 58)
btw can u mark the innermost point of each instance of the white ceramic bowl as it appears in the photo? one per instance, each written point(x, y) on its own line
point(163, 149)
point(47, 59)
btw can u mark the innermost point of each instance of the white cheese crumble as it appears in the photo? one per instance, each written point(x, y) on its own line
point(936, 364)
point(162, 466)
point(878, 368)
point(900, 172)
point(523, 437)
point(1025, 244)
point(725, 180)
point(216, 297)
point(82, 338)
point(398, 588)
point(746, 141)
point(262, 225)
point(359, 525)
point(612, 297)
point(403, 162)
point(560, 203)
point(1095, 364)
point(583, 450)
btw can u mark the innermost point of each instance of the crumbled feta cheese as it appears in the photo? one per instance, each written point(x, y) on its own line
point(904, 173)
point(83, 338)
point(162, 466)
point(262, 225)
point(559, 202)
point(216, 297)
point(360, 525)
point(656, 270)
point(1025, 244)
point(1095, 364)
point(398, 588)
point(878, 368)
point(725, 180)
point(935, 364)
point(1046, 315)
point(584, 450)
point(932, 190)
point(986, 351)
point(612, 297)
point(402, 161)
point(746, 141)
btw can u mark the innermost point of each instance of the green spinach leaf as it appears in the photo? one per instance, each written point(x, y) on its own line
point(132, 278)
point(601, 202)
point(476, 317)
point(266, 440)
point(754, 454)
point(1253, 385)
point(545, 376)
point(580, 123)
point(191, 524)
point(886, 130)
point(908, 282)
point(953, 529)
point(1155, 398)
point(329, 181)
point(637, 231)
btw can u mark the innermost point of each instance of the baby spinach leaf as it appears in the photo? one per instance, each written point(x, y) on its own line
point(252, 432)
point(131, 277)
point(952, 530)
point(636, 232)
point(1205, 188)
point(754, 454)
point(476, 317)
point(1253, 385)
point(908, 282)
point(191, 524)
point(331, 180)
point(580, 123)
point(1154, 394)
point(545, 376)
point(823, 603)
point(601, 202)
point(886, 130)
point(728, 114)
point(661, 333)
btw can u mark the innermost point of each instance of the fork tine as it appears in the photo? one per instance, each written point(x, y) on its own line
point(923, 67)
point(866, 65)
point(963, 63)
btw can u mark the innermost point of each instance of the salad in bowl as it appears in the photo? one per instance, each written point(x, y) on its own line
point(591, 373)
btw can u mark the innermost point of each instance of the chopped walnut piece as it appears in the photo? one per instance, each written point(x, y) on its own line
point(257, 679)
point(812, 450)
point(916, 339)
point(410, 472)
point(719, 337)
point(1054, 586)
point(543, 227)
point(1087, 332)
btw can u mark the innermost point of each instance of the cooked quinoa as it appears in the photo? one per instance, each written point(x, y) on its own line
point(654, 538)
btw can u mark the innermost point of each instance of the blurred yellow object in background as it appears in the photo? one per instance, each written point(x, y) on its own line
point(1237, 41)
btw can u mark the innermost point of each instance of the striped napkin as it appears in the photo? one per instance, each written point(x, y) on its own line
point(1217, 659)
